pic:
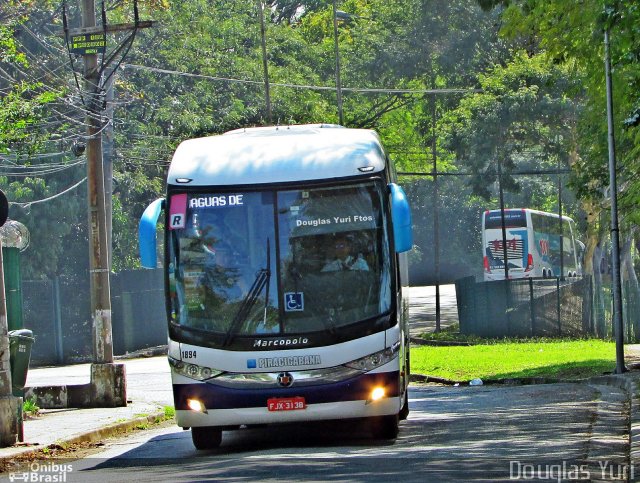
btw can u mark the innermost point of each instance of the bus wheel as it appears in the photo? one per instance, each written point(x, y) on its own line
point(404, 412)
point(385, 427)
point(206, 437)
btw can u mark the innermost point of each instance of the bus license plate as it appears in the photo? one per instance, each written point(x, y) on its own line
point(286, 403)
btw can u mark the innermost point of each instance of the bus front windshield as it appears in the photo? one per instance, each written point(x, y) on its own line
point(288, 262)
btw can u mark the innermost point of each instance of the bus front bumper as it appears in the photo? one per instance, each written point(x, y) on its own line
point(313, 412)
point(208, 404)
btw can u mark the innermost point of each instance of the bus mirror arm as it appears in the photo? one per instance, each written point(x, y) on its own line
point(147, 234)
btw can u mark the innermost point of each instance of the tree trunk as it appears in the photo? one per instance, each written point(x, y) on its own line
point(631, 286)
point(593, 237)
point(598, 294)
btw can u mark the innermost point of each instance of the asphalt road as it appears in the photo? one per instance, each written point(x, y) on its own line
point(452, 434)
point(422, 308)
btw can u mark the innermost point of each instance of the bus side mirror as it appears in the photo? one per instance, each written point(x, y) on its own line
point(147, 234)
point(401, 216)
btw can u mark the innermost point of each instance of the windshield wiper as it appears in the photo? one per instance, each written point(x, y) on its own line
point(262, 279)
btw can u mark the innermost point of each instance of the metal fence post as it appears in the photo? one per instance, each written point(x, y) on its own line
point(508, 307)
point(532, 308)
point(57, 319)
point(625, 312)
point(558, 307)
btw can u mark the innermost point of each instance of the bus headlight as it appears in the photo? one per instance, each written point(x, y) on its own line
point(377, 394)
point(197, 406)
point(193, 371)
point(374, 360)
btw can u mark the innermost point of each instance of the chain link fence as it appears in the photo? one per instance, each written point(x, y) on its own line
point(543, 308)
point(58, 313)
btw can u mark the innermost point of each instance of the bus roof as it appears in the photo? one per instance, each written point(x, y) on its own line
point(276, 155)
point(530, 210)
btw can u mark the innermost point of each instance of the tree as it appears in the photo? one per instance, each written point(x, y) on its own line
point(522, 117)
point(26, 172)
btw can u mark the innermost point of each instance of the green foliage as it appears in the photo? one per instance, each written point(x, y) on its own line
point(169, 412)
point(198, 72)
point(572, 33)
point(521, 119)
point(9, 53)
point(30, 407)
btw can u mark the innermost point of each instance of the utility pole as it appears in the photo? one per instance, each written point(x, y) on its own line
point(560, 223)
point(98, 239)
point(337, 53)
point(265, 65)
point(436, 208)
point(502, 221)
point(108, 381)
point(5, 372)
point(618, 324)
point(9, 405)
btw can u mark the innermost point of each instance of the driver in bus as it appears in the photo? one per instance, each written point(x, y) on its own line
point(342, 259)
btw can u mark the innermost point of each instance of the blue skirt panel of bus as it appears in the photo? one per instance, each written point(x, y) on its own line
point(219, 397)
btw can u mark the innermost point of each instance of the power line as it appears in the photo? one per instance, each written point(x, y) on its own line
point(24, 171)
point(468, 173)
point(29, 203)
point(302, 86)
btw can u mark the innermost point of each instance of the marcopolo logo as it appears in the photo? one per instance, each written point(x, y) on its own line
point(261, 343)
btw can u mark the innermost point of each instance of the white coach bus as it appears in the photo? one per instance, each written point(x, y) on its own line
point(286, 277)
point(533, 245)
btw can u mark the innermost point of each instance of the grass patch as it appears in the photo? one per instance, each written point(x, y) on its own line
point(169, 412)
point(30, 408)
point(511, 358)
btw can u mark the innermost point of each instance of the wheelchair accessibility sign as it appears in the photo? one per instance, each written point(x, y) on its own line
point(294, 302)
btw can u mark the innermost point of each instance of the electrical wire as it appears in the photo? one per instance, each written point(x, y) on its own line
point(29, 203)
point(302, 86)
point(23, 171)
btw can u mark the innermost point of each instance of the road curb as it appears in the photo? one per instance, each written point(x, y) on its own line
point(630, 383)
point(438, 343)
point(160, 350)
point(523, 381)
point(86, 437)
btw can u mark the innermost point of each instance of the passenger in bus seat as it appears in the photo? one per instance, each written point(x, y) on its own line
point(341, 257)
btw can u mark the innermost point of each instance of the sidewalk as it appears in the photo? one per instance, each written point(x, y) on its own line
point(148, 391)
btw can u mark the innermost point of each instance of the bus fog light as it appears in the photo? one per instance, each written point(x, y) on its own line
point(376, 394)
point(196, 405)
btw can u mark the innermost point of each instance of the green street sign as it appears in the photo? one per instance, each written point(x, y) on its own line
point(88, 43)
